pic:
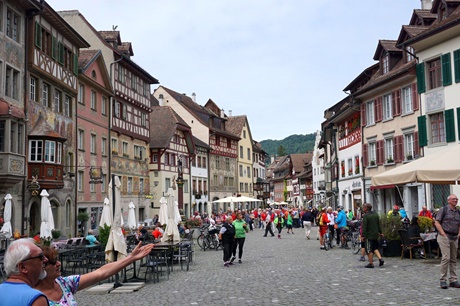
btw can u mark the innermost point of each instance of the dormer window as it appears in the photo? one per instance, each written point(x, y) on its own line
point(409, 53)
point(385, 64)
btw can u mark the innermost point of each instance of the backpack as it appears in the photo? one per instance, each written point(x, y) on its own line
point(319, 219)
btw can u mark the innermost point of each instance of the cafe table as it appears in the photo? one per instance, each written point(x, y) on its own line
point(428, 237)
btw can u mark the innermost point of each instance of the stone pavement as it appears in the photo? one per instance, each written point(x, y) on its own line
point(290, 271)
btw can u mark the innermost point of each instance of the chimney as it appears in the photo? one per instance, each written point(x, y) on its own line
point(222, 114)
point(161, 100)
point(194, 97)
point(229, 112)
point(426, 4)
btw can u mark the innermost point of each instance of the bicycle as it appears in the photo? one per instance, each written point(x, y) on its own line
point(327, 240)
point(207, 239)
point(352, 235)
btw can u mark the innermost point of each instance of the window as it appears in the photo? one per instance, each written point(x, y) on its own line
point(386, 64)
point(249, 153)
point(35, 150)
point(81, 94)
point(121, 74)
point(167, 183)
point(173, 160)
point(166, 159)
point(372, 154)
point(124, 113)
point(104, 180)
point(13, 23)
point(104, 146)
point(125, 148)
point(81, 139)
point(229, 143)
point(370, 117)
point(387, 107)
point(244, 134)
point(227, 163)
point(217, 140)
point(114, 146)
point(33, 89)
point(241, 152)
point(133, 83)
point(80, 180)
point(241, 171)
point(91, 187)
point(93, 144)
point(138, 152)
point(350, 166)
point(93, 100)
point(434, 73)
point(409, 149)
point(50, 154)
point(57, 101)
point(185, 186)
point(59, 153)
point(241, 187)
point(204, 163)
point(104, 106)
point(67, 106)
point(155, 158)
point(116, 109)
point(438, 134)
point(45, 95)
point(248, 169)
point(407, 100)
point(12, 83)
point(143, 119)
point(130, 185)
point(217, 162)
point(409, 54)
point(389, 150)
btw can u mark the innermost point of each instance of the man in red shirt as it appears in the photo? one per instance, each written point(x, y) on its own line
point(425, 213)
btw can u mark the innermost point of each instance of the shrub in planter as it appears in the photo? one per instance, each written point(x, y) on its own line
point(55, 234)
point(390, 225)
point(426, 224)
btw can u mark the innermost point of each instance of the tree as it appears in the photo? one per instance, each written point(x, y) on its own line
point(281, 151)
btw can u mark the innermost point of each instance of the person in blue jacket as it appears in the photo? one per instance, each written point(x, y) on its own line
point(341, 221)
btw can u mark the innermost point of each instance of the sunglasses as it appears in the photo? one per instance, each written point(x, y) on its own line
point(41, 256)
point(52, 261)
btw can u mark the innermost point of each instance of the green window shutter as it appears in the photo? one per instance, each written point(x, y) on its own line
point(75, 64)
point(38, 35)
point(450, 125)
point(457, 65)
point(422, 139)
point(421, 88)
point(54, 48)
point(60, 53)
point(458, 122)
point(446, 70)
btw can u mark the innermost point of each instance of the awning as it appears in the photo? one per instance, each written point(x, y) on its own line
point(383, 186)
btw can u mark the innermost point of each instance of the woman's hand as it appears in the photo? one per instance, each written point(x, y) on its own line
point(141, 251)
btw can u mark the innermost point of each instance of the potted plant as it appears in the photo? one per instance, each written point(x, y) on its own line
point(55, 234)
point(390, 160)
point(390, 225)
point(372, 163)
point(104, 233)
point(409, 157)
point(426, 224)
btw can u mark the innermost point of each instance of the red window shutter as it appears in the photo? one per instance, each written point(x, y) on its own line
point(416, 145)
point(399, 153)
point(363, 114)
point(365, 156)
point(415, 104)
point(380, 153)
point(378, 109)
point(397, 103)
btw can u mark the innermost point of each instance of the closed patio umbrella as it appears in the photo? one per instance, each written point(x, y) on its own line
point(116, 241)
point(132, 216)
point(163, 215)
point(46, 215)
point(6, 228)
point(171, 232)
point(107, 215)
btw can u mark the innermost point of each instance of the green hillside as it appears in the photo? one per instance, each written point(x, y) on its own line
point(291, 144)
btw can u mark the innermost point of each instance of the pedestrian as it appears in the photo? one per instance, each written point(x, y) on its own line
point(307, 218)
point(341, 222)
point(331, 217)
point(296, 218)
point(268, 224)
point(279, 223)
point(241, 228)
point(350, 215)
point(24, 264)
point(447, 223)
point(227, 236)
point(290, 222)
point(371, 234)
point(60, 290)
point(322, 226)
point(425, 213)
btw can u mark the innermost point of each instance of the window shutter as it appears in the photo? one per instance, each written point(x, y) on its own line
point(421, 87)
point(399, 149)
point(60, 53)
point(446, 70)
point(393, 102)
point(415, 104)
point(380, 153)
point(422, 137)
point(38, 35)
point(416, 145)
point(365, 155)
point(378, 109)
point(75, 64)
point(54, 48)
point(363, 114)
point(450, 125)
point(457, 65)
point(458, 122)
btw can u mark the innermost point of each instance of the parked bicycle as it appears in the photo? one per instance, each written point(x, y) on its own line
point(352, 236)
point(208, 238)
point(327, 240)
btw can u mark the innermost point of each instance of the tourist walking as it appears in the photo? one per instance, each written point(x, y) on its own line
point(341, 222)
point(268, 224)
point(322, 226)
point(241, 228)
point(307, 218)
point(289, 223)
point(279, 223)
point(227, 236)
point(447, 223)
point(371, 234)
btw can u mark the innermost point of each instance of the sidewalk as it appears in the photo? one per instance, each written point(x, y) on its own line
point(290, 271)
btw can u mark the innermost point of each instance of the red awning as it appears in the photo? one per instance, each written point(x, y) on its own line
point(383, 187)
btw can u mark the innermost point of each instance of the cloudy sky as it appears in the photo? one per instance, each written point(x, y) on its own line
point(280, 62)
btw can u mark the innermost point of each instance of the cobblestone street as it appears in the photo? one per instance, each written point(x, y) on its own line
point(290, 271)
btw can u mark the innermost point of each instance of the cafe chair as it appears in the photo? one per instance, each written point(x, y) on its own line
point(406, 244)
point(154, 264)
point(182, 254)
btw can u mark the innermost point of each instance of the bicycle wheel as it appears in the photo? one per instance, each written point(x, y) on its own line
point(201, 242)
point(355, 244)
point(326, 241)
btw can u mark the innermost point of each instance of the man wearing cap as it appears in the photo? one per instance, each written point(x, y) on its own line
point(448, 224)
point(24, 265)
